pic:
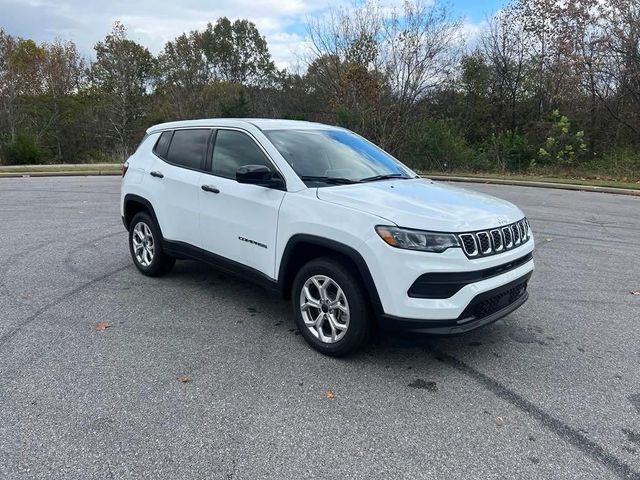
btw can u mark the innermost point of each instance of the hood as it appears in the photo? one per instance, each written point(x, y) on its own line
point(424, 204)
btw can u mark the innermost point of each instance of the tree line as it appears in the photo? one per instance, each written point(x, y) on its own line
point(546, 86)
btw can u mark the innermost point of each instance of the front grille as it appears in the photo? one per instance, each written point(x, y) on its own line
point(490, 242)
point(483, 307)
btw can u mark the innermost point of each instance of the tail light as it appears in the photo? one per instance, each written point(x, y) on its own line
point(125, 167)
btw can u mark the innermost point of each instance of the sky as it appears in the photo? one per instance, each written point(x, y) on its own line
point(154, 22)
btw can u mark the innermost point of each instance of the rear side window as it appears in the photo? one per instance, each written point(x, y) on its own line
point(233, 150)
point(188, 148)
point(162, 145)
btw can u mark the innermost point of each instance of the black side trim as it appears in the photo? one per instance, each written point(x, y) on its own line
point(447, 284)
point(464, 323)
point(363, 269)
point(185, 250)
point(131, 198)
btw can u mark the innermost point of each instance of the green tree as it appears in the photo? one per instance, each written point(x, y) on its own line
point(236, 52)
point(474, 81)
point(182, 74)
point(20, 75)
point(121, 77)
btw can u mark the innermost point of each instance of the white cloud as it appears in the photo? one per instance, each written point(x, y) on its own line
point(154, 22)
point(470, 32)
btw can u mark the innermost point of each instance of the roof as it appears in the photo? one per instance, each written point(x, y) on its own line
point(261, 123)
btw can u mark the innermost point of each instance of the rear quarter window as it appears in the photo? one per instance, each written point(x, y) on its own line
point(188, 148)
point(162, 145)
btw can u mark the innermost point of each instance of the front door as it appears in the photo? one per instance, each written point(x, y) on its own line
point(238, 221)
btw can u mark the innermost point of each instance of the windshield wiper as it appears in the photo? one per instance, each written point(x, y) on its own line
point(385, 177)
point(334, 180)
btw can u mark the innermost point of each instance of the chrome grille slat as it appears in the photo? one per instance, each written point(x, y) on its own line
point(498, 242)
point(484, 243)
point(515, 231)
point(469, 244)
point(508, 240)
point(490, 242)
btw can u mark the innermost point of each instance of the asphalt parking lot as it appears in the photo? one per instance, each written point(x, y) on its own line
point(202, 375)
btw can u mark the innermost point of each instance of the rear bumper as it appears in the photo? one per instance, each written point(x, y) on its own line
point(484, 309)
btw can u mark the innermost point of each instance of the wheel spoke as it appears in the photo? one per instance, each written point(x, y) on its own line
point(310, 304)
point(310, 321)
point(325, 289)
point(318, 326)
point(342, 308)
point(310, 298)
point(318, 286)
point(335, 323)
point(333, 329)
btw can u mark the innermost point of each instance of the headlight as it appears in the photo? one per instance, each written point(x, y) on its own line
point(417, 239)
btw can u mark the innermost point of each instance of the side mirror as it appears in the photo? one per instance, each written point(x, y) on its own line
point(258, 175)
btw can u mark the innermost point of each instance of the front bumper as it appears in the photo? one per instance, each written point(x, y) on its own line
point(484, 309)
point(407, 284)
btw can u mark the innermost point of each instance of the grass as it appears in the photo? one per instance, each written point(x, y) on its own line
point(595, 182)
point(90, 167)
point(115, 167)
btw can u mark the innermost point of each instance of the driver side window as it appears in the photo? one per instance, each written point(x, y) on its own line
point(233, 150)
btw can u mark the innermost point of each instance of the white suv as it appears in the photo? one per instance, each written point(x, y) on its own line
point(322, 216)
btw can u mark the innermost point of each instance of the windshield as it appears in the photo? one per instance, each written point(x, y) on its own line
point(335, 156)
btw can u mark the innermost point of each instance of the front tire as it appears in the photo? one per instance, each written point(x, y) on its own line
point(146, 247)
point(330, 307)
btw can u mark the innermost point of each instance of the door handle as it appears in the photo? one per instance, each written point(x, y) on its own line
point(157, 174)
point(210, 188)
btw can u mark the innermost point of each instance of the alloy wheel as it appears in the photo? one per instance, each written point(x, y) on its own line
point(324, 308)
point(143, 244)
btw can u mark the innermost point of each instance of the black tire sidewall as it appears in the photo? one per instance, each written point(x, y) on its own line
point(359, 321)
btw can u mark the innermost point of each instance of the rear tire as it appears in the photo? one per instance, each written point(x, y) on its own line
point(145, 245)
point(330, 307)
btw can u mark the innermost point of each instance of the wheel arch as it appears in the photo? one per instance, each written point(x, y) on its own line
point(302, 248)
point(134, 204)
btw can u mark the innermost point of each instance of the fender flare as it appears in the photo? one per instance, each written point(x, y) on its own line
point(338, 247)
point(132, 198)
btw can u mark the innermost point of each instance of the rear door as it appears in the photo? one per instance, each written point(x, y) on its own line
point(239, 221)
point(177, 172)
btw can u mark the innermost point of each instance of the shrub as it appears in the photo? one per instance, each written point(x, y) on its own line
point(434, 145)
point(22, 150)
point(506, 151)
point(561, 146)
point(620, 163)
